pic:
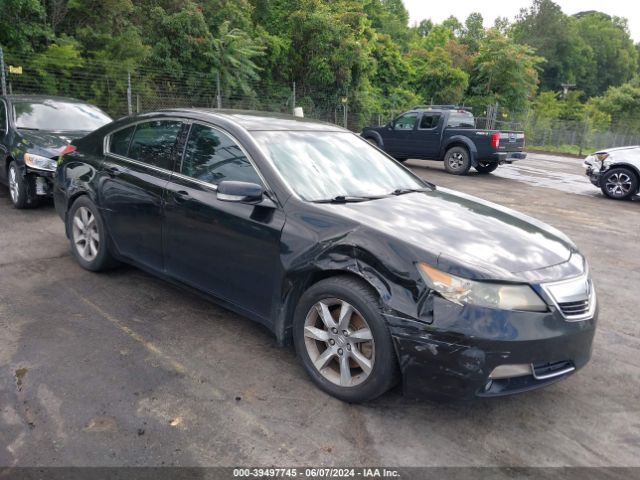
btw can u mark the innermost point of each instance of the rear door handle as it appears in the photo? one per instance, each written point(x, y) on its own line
point(114, 171)
point(181, 196)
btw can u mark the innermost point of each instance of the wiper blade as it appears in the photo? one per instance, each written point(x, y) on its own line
point(28, 128)
point(402, 191)
point(348, 199)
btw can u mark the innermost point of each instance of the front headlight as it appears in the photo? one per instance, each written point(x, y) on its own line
point(601, 156)
point(484, 294)
point(39, 162)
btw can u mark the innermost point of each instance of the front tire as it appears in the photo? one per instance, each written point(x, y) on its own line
point(457, 161)
point(88, 236)
point(619, 184)
point(487, 167)
point(343, 341)
point(21, 188)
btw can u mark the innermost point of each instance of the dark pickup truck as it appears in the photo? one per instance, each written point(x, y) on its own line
point(447, 133)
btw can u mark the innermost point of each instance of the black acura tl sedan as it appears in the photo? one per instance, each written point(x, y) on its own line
point(34, 131)
point(375, 274)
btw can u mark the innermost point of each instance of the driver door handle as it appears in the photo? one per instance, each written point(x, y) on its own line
point(114, 171)
point(181, 196)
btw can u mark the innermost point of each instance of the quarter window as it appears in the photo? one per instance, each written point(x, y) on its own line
point(429, 120)
point(212, 156)
point(154, 143)
point(120, 141)
point(406, 121)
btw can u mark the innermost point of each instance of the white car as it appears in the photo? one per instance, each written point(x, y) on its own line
point(616, 171)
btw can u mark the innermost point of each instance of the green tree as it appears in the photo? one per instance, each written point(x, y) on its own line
point(505, 71)
point(234, 55)
point(474, 32)
point(555, 37)
point(23, 29)
point(615, 58)
point(437, 80)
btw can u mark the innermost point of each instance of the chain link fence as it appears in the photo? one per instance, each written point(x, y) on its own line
point(120, 90)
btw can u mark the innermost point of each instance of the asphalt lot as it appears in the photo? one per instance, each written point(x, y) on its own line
point(124, 369)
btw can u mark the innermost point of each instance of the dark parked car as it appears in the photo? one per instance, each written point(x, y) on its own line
point(34, 132)
point(304, 227)
point(449, 134)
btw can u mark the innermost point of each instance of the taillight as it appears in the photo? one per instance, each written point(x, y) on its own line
point(495, 140)
point(67, 149)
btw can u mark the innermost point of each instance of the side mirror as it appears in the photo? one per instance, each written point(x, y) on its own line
point(244, 192)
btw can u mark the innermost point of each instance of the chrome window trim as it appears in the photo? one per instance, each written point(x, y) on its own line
point(137, 162)
point(591, 297)
point(179, 175)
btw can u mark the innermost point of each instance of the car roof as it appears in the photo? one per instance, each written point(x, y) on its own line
point(40, 98)
point(257, 121)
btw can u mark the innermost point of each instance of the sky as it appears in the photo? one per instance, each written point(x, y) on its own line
point(490, 9)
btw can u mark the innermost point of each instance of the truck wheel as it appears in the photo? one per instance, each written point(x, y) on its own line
point(619, 184)
point(457, 161)
point(486, 167)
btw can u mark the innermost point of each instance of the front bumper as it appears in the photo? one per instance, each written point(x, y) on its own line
point(455, 355)
point(43, 179)
point(593, 172)
point(507, 157)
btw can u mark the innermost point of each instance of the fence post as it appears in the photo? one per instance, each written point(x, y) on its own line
point(294, 97)
point(129, 106)
point(3, 80)
point(218, 94)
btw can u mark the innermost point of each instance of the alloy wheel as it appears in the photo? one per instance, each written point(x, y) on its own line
point(86, 237)
point(456, 161)
point(619, 184)
point(14, 189)
point(339, 342)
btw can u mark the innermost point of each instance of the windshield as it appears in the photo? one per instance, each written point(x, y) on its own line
point(324, 165)
point(59, 116)
point(461, 120)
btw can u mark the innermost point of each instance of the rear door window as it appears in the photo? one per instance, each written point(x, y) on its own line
point(212, 156)
point(120, 141)
point(155, 143)
point(429, 120)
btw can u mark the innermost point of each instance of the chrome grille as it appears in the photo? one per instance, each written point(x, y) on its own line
point(574, 308)
point(575, 298)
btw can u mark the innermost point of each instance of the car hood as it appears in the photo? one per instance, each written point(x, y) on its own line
point(50, 140)
point(620, 149)
point(467, 235)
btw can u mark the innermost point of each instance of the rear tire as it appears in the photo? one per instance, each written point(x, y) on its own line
point(90, 242)
point(619, 184)
point(343, 340)
point(457, 161)
point(22, 189)
point(487, 167)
